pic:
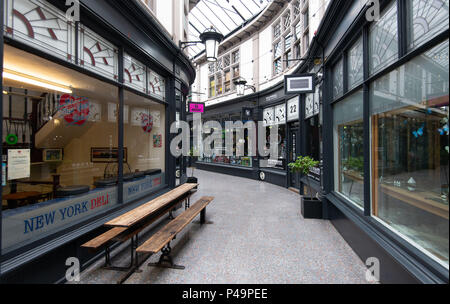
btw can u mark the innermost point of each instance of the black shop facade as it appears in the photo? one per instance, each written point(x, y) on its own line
point(86, 112)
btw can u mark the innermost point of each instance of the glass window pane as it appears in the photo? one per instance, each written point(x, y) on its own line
point(355, 65)
point(383, 40)
point(426, 18)
point(61, 154)
point(349, 148)
point(338, 79)
point(277, 49)
point(410, 135)
point(144, 141)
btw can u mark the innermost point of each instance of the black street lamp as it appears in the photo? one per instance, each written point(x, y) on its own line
point(241, 86)
point(211, 39)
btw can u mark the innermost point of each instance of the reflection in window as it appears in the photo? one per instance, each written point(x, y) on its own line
point(349, 148)
point(355, 64)
point(338, 79)
point(427, 18)
point(144, 141)
point(57, 152)
point(410, 135)
point(383, 40)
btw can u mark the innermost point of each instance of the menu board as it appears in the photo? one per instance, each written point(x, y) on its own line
point(19, 163)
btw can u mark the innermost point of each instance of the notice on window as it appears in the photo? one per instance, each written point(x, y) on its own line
point(19, 162)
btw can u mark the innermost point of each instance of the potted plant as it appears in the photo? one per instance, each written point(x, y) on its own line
point(311, 207)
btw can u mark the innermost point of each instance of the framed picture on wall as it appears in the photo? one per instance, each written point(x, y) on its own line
point(107, 155)
point(52, 155)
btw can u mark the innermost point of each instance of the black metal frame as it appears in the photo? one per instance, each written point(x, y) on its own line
point(91, 18)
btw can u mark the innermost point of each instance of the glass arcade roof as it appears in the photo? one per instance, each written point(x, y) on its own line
point(224, 15)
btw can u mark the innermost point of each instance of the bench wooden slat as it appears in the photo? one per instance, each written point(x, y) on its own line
point(133, 217)
point(104, 238)
point(157, 242)
point(132, 232)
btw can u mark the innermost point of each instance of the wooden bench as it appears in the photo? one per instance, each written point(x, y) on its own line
point(161, 240)
point(166, 203)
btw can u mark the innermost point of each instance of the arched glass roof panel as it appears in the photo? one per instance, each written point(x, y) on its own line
point(224, 15)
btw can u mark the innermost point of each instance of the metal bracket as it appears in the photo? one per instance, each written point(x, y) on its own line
point(166, 261)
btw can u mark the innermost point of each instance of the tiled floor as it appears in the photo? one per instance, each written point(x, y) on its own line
point(257, 236)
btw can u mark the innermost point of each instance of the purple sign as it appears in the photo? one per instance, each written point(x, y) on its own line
point(196, 107)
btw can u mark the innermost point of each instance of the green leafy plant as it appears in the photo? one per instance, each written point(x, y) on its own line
point(355, 164)
point(304, 165)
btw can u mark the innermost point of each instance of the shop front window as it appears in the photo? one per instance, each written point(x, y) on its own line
point(410, 150)
point(144, 141)
point(219, 156)
point(60, 149)
point(349, 148)
point(281, 162)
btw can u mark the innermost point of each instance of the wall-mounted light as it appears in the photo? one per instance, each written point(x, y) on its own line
point(20, 77)
point(241, 86)
point(211, 39)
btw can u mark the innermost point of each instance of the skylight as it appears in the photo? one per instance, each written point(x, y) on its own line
point(224, 15)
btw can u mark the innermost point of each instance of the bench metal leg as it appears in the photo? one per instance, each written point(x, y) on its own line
point(166, 261)
point(203, 217)
point(133, 257)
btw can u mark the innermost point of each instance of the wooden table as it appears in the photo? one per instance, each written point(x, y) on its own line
point(418, 199)
point(18, 199)
point(151, 208)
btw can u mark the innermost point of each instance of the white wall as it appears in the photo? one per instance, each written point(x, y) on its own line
point(164, 13)
point(246, 61)
point(265, 55)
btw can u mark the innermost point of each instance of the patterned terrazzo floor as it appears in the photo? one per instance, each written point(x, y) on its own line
point(257, 236)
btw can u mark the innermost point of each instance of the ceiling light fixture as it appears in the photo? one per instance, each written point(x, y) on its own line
point(16, 76)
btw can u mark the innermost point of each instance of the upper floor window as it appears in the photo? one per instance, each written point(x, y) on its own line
point(277, 31)
point(287, 21)
point(211, 68)
point(223, 72)
point(306, 19)
point(235, 57)
point(296, 9)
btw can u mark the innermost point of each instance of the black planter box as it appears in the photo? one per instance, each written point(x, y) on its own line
point(311, 208)
point(192, 180)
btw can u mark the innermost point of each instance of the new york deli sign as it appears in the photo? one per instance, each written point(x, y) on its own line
point(28, 224)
